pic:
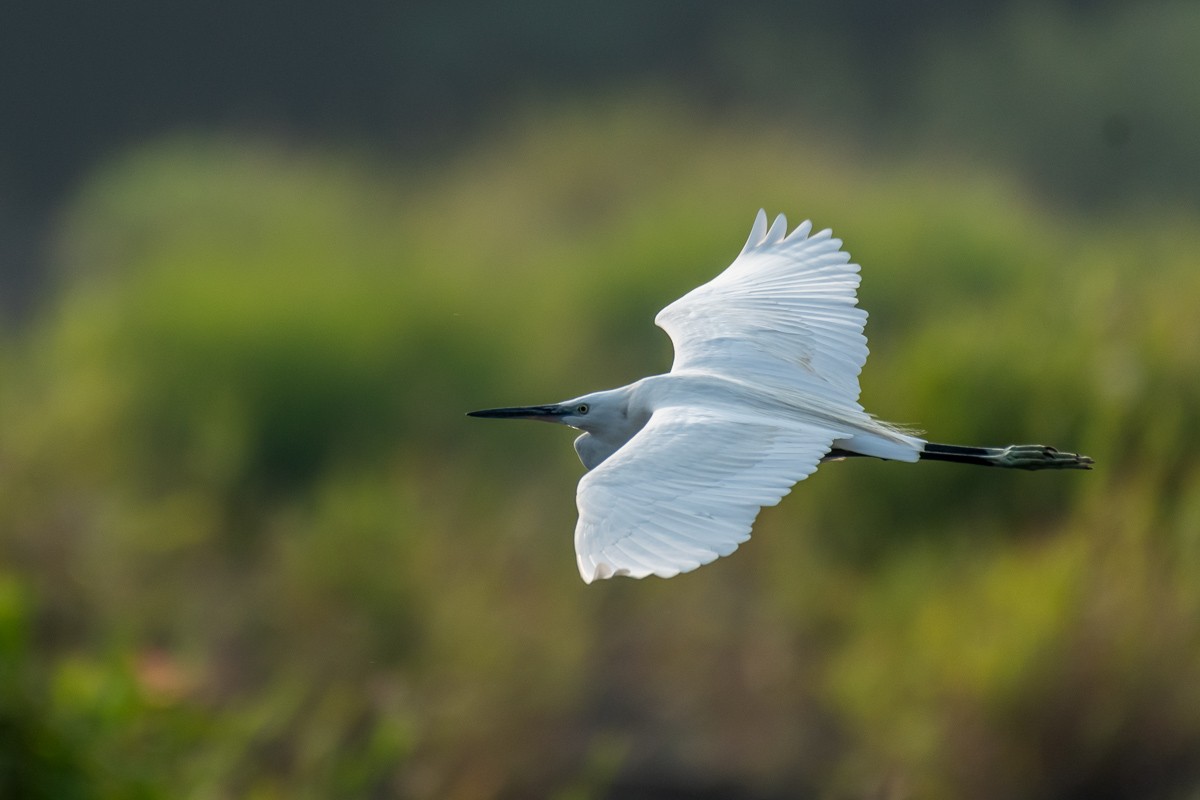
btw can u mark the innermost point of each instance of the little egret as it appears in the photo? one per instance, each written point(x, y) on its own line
point(764, 387)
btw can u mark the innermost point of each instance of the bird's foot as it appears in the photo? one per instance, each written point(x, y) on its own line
point(1039, 456)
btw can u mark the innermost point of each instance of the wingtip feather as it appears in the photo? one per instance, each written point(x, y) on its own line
point(801, 232)
point(777, 232)
point(757, 231)
point(586, 571)
point(762, 235)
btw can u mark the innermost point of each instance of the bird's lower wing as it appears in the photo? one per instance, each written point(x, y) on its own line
point(687, 488)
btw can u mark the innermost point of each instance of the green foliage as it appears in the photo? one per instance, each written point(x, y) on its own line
point(1089, 103)
point(253, 548)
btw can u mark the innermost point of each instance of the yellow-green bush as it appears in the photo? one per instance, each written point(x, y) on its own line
point(264, 554)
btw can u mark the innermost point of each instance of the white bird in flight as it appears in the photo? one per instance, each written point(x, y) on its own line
point(764, 388)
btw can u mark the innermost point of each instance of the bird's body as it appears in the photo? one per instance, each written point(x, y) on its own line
point(616, 415)
point(763, 388)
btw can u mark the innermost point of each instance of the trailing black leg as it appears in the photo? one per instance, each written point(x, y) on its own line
point(1015, 456)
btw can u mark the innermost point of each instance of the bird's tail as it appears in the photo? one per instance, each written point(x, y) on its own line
point(884, 442)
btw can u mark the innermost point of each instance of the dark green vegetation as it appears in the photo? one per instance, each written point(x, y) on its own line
point(251, 546)
point(1093, 100)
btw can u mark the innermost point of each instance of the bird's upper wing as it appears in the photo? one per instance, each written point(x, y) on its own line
point(687, 488)
point(783, 314)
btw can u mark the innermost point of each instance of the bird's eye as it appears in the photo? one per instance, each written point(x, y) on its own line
point(581, 409)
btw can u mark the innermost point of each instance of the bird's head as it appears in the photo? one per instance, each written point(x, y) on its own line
point(591, 412)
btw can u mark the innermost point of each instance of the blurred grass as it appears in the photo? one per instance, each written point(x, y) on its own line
point(254, 549)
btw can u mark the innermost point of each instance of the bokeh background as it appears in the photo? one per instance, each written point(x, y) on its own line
point(257, 259)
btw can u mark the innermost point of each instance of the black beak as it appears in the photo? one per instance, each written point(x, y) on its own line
point(543, 413)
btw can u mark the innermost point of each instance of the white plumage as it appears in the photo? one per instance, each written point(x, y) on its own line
point(687, 488)
point(763, 387)
point(783, 314)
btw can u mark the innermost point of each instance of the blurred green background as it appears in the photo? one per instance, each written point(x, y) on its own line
point(257, 261)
